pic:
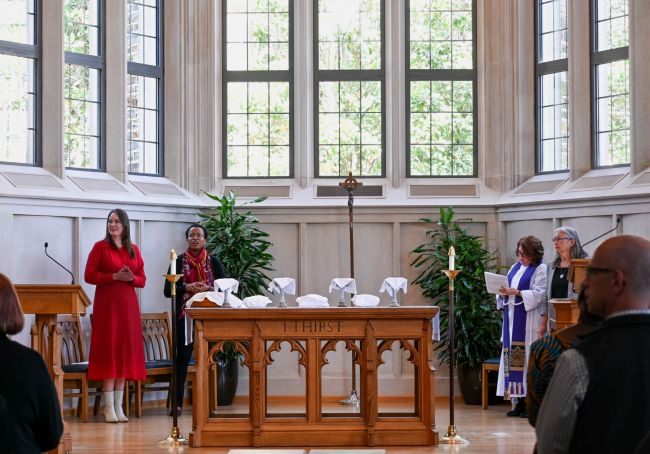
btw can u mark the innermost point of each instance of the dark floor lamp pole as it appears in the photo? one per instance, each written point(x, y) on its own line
point(175, 438)
point(452, 437)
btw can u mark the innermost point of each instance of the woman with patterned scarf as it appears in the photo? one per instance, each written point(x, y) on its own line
point(199, 271)
point(522, 302)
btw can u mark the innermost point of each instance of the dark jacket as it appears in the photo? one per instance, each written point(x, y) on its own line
point(615, 413)
point(35, 424)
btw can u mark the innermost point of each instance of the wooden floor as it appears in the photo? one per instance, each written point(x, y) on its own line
point(489, 431)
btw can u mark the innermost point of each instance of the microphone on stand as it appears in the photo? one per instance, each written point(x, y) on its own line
point(618, 221)
point(55, 261)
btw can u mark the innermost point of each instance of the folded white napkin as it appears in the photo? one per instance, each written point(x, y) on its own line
point(365, 300)
point(392, 285)
point(256, 301)
point(215, 297)
point(347, 284)
point(227, 284)
point(312, 300)
point(285, 284)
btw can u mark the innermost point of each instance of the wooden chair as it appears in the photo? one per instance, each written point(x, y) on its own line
point(157, 356)
point(75, 366)
point(491, 364)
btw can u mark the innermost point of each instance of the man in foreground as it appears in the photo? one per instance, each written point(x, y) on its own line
point(598, 400)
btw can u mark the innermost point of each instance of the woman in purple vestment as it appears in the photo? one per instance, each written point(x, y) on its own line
point(522, 303)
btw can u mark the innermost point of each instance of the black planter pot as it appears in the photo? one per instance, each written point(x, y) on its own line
point(469, 379)
point(227, 377)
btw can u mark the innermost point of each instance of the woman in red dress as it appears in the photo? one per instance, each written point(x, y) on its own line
point(116, 349)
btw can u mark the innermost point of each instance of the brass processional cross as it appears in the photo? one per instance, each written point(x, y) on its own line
point(350, 184)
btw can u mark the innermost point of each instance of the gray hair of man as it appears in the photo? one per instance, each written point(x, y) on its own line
point(576, 251)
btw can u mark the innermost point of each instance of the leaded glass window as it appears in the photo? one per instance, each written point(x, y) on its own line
point(19, 107)
point(257, 88)
point(441, 88)
point(349, 82)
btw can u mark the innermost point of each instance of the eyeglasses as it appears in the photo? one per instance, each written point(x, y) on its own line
point(521, 253)
point(593, 270)
point(558, 238)
point(111, 221)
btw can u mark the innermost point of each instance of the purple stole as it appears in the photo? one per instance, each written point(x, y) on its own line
point(514, 349)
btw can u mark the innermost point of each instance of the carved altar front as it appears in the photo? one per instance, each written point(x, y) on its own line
point(367, 333)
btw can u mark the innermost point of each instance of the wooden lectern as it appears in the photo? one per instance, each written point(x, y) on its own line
point(567, 311)
point(47, 301)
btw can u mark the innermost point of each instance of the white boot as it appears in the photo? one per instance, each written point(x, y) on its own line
point(119, 396)
point(109, 407)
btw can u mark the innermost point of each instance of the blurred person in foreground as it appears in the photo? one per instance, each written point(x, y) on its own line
point(544, 353)
point(33, 422)
point(598, 400)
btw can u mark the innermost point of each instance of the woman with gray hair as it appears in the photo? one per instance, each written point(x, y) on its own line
point(567, 247)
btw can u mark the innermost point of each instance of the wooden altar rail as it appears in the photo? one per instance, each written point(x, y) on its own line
point(312, 333)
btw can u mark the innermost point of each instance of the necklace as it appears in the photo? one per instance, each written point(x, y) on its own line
point(562, 272)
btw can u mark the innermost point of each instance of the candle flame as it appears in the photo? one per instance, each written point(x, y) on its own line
point(452, 252)
point(172, 256)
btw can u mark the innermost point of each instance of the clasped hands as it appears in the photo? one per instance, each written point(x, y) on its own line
point(197, 287)
point(124, 275)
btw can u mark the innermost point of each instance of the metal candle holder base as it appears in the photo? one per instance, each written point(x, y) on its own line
point(352, 399)
point(452, 437)
point(175, 439)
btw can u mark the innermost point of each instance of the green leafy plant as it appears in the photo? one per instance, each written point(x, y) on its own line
point(477, 322)
point(236, 240)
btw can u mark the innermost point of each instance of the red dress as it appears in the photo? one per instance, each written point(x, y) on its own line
point(116, 346)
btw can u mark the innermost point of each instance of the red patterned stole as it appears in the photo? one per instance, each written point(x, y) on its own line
point(196, 268)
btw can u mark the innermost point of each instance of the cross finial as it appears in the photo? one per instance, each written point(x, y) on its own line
point(350, 183)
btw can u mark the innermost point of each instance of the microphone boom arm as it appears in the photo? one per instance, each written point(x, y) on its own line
point(56, 261)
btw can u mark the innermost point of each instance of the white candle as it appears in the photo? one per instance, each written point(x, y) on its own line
point(172, 264)
point(452, 257)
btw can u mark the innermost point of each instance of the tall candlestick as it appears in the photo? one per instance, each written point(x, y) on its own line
point(172, 264)
point(452, 257)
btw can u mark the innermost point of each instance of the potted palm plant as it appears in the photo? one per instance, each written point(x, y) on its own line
point(235, 238)
point(477, 322)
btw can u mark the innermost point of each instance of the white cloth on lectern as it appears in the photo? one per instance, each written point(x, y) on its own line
point(312, 300)
point(286, 284)
point(391, 285)
point(347, 284)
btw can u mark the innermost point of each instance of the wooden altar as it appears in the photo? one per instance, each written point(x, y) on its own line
point(312, 333)
point(47, 301)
